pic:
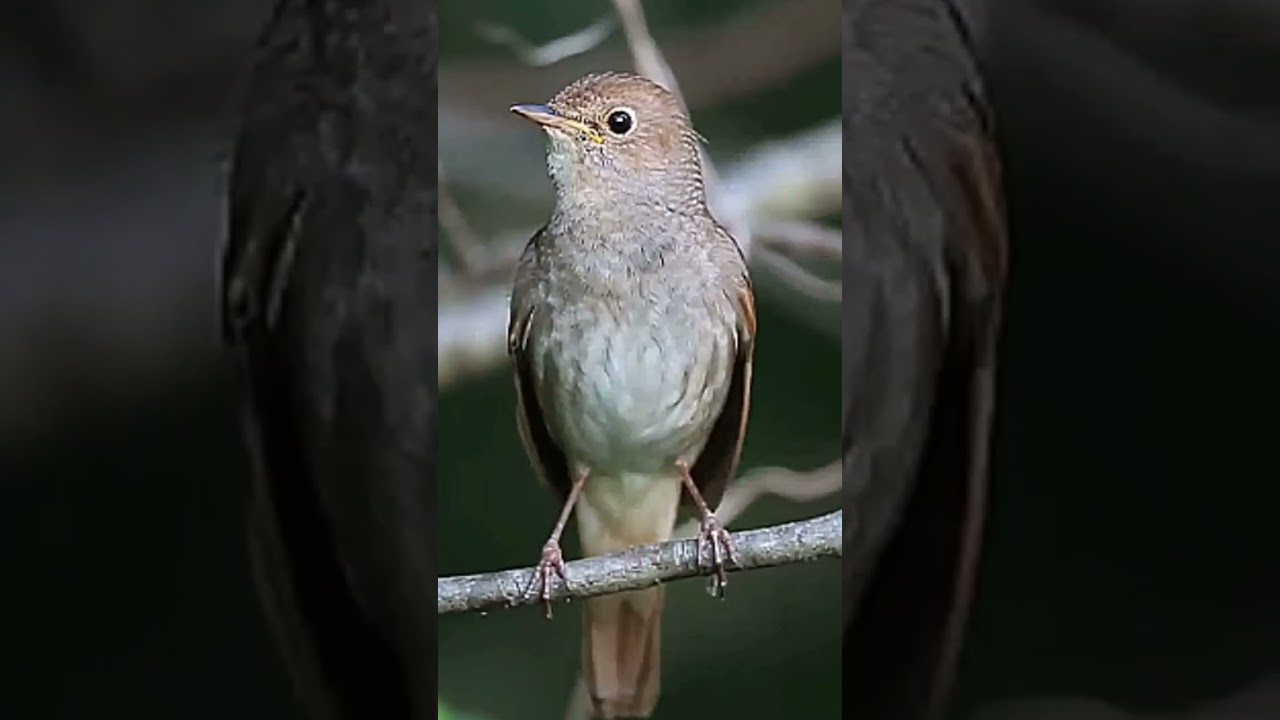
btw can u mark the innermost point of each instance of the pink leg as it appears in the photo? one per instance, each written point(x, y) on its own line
point(712, 534)
point(552, 558)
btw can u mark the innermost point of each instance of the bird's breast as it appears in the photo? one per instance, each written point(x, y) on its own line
point(632, 384)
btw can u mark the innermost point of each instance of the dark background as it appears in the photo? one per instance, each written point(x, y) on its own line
point(1132, 553)
point(1134, 547)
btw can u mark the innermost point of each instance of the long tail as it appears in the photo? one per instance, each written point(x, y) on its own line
point(620, 653)
point(621, 633)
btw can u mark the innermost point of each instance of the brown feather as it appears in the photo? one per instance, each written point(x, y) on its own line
point(718, 461)
point(544, 452)
point(621, 653)
point(977, 175)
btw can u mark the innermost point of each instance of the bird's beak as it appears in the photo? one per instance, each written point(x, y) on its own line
point(548, 118)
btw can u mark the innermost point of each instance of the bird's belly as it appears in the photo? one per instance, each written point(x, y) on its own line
point(634, 397)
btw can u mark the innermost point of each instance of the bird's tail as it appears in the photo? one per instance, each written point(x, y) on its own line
point(621, 633)
point(620, 653)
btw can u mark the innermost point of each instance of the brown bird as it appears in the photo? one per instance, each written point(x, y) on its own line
point(631, 335)
point(924, 264)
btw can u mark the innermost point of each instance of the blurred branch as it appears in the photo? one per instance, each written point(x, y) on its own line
point(645, 55)
point(462, 238)
point(801, 238)
point(779, 241)
point(584, 40)
point(793, 485)
point(800, 35)
point(644, 566)
point(798, 277)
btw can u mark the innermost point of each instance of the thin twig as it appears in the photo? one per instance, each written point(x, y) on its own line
point(798, 277)
point(645, 53)
point(495, 267)
point(799, 35)
point(462, 238)
point(645, 566)
point(800, 237)
point(780, 241)
point(793, 485)
point(562, 48)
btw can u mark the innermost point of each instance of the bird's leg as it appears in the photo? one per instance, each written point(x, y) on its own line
point(552, 558)
point(711, 534)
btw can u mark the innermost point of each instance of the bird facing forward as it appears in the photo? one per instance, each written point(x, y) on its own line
point(631, 335)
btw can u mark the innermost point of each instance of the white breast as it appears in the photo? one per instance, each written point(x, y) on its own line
point(632, 390)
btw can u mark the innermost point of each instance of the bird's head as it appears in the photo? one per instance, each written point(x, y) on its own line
point(614, 136)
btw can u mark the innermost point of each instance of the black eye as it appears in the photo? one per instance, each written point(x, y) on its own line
point(620, 122)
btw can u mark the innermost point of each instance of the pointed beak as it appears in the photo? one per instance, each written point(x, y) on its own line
point(549, 118)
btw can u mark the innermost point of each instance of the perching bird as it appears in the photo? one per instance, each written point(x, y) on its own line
point(632, 329)
point(924, 270)
point(328, 289)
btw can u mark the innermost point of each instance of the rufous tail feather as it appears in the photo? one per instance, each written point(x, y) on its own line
point(621, 633)
point(620, 653)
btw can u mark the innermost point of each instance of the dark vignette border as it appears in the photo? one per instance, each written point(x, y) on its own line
point(347, 175)
point(924, 265)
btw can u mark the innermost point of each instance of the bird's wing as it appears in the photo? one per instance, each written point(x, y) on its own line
point(332, 650)
point(544, 452)
point(924, 263)
point(257, 262)
point(339, 662)
point(719, 458)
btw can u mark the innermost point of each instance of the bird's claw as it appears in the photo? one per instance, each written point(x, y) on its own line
point(715, 538)
point(552, 561)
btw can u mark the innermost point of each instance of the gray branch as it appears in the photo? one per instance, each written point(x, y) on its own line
point(644, 566)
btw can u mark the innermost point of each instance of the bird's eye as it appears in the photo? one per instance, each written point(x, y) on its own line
point(620, 121)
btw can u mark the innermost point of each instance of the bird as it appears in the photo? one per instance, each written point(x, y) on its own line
point(925, 264)
point(328, 271)
point(631, 336)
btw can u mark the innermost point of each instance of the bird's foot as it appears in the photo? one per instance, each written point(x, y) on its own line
point(714, 538)
point(552, 561)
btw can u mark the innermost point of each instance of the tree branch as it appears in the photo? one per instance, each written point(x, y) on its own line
point(800, 35)
point(467, 249)
point(571, 45)
point(644, 566)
